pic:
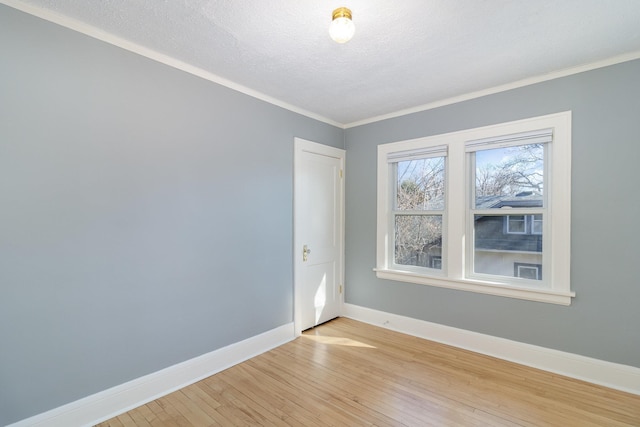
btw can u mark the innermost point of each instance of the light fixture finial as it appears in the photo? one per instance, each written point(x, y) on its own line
point(342, 28)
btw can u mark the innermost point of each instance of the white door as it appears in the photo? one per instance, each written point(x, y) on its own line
point(318, 233)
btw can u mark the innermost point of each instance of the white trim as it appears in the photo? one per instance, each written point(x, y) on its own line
point(501, 88)
point(607, 374)
point(420, 153)
point(106, 404)
point(480, 286)
point(539, 136)
point(300, 146)
point(96, 33)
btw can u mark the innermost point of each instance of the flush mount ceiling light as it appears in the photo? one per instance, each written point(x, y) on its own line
point(342, 28)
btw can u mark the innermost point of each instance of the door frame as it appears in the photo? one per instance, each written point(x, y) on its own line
point(302, 146)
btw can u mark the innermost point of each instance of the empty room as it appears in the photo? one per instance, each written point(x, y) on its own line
point(312, 213)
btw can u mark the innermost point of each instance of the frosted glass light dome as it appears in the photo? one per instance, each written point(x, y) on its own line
point(342, 29)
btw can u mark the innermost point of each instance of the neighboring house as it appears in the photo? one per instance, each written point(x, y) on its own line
point(505, 245)
point(509, 245)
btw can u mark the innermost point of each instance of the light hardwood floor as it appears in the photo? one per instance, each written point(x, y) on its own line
point(347, 373)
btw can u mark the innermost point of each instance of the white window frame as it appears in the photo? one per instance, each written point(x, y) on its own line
point(454, 273)
point(393, 159)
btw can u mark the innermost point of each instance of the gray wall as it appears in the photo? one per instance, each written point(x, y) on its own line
point(603, 320)
point(146, 215)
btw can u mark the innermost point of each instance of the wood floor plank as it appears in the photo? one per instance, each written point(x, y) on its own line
point(305, 394)
point(347, 373)
point(190, 411)
point(296, 405)
point(168, 404)
point(146, 413)
point(114, 422)
point(160, 415)
point(127, 420)
point(393, 384)
point(327, 387)
point(483, 372)
point(269, 404)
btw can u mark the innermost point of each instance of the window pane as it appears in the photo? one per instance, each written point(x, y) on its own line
point(536, 224)
point(497, 251)
point(418, 240)
point(511, 176)
point(435, 261)
point(516, 224)
point(420, 184)
point(527, 271)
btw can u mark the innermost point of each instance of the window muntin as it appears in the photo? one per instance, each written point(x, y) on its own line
point(553, 132)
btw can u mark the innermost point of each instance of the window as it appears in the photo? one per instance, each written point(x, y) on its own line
point(418, 207)
point(506, 173)
point(436, 262)
point(527, 271)
point(523, 224)
point(480, 210)
point(536, 224)
point(516, 224)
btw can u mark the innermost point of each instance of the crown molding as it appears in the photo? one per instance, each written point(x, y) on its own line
point(501, 88)
point(91, 31)
point(96, 33)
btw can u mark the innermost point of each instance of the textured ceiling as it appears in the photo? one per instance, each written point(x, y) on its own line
point(405, 54)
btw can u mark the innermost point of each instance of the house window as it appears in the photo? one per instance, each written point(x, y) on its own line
point(480, 210)
point(436, 262)
point(516, 224)
point(527, 271)
point(536, 224)
point(523, 224)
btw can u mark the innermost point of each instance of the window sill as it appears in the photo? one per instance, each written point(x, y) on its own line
point(531, 294)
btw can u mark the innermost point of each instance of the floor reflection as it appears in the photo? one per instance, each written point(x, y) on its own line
point(337, 341)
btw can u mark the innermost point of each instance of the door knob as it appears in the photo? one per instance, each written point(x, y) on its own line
point(305, 252)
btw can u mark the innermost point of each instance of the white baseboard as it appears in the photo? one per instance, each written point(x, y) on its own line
point(114, 401)
point(612, 375)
